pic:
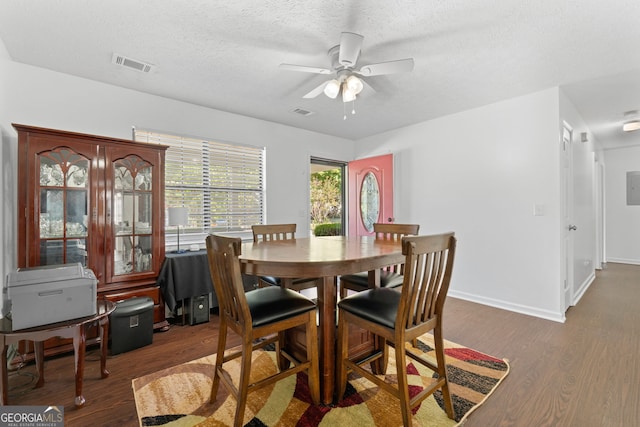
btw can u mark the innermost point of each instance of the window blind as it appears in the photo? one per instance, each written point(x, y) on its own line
point(221, 184)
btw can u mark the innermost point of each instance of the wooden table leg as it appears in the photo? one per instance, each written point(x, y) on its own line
point(374, 278)
point(104, 341)
point(39, 350)
point(79, 348)
point(327, 300)
point(380, 365)
point(5, 375)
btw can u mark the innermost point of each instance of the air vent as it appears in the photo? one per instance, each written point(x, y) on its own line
point(133, 64)
point(302, 112)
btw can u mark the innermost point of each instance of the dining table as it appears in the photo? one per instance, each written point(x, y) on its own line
point(325, 258)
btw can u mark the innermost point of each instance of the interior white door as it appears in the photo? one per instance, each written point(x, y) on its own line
point(567, 211)
point(599, 199)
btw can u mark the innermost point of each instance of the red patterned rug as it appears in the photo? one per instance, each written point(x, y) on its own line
point(179, 396)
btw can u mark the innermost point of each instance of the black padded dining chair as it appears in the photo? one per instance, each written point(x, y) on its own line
point(400, 316)
point(260, 317)
point(390, 276)
point(272, 232)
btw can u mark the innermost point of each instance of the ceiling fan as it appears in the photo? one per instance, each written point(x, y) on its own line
point(348, 77)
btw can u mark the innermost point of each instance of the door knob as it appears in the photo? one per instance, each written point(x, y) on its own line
point(572, 227)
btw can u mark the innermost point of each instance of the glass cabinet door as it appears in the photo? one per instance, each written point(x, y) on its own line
point(63, 188)
point(132, 216)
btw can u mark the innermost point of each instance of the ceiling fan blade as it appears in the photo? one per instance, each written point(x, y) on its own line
point(390, 67)
point(350, 45)
point(317, 91)
point(305, 69)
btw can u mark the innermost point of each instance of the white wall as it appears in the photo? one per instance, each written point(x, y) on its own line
point(39, 97)
point(479, 173)
point(6, 181)
point(622, 221)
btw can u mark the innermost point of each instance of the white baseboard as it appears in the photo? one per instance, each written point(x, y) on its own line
point(505, 305)
point(583, 288)
point(624, 261)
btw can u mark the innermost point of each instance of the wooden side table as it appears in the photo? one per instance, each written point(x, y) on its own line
point(75, 329)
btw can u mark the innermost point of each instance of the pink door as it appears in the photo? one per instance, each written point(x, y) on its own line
point(370, 193)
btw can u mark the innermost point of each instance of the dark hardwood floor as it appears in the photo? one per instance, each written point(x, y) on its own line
point(585, 372)
point(109, 401)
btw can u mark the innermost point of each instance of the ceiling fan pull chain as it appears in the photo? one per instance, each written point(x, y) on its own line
point(353, 107)
point(344, 110)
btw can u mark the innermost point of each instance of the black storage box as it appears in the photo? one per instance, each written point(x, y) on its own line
point(131, 324)
point(198, 309)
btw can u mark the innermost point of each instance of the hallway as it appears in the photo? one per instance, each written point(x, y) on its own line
point(585, 372)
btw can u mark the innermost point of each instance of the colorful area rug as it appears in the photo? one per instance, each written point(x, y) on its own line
point(179, 396)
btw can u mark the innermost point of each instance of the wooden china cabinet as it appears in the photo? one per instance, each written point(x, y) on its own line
point(94, 200)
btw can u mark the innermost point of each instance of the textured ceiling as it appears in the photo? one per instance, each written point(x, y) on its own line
point(225, 54)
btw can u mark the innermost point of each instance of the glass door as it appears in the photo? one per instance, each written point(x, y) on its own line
point(63, 189)
point(132, 216)
point(327, 197)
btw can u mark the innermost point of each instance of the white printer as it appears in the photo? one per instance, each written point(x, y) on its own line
point(50, 294)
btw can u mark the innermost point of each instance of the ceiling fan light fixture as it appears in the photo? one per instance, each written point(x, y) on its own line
point(332, 88)
point(348, 95)
point(354, 84)
point(348, 81)
point(631, 126)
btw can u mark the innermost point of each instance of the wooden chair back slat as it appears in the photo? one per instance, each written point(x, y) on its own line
point(427, 275)
point(266, 232)
point(223, 254)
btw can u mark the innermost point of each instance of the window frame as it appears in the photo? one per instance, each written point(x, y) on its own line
point(201, 173)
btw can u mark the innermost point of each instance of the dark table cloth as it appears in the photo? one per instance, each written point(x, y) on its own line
point(187, 275)
point(183, 276)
